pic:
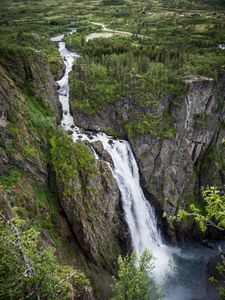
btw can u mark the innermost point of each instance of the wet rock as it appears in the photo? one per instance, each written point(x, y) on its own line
point(212, 271)
point(4, 162)
point(207, 244)
point(86, 293)
point(70, 132)
point(88, 133)
point(101, 152)
point(63, 92)
point(3, 121)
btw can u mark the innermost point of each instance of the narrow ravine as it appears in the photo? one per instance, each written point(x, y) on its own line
point(180, 271)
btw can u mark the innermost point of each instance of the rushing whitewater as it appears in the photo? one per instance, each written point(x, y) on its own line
point(173, 265)
point(139, 215)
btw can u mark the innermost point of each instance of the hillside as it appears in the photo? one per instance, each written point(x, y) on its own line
point(142, 84)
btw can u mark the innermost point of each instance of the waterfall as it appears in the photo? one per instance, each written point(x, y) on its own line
point(139, 214)
point(173, 265)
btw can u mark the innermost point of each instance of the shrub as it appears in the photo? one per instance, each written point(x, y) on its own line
point(134, 278)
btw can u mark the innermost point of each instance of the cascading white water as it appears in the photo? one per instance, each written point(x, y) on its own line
point(139, 214)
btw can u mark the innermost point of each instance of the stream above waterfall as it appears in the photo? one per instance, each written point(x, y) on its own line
point(181, 270)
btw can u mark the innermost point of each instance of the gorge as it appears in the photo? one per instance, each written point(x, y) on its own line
point(170, 261)
point(112, 135)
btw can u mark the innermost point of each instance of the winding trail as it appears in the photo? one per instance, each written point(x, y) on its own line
point(104, 28)
point(109, 33)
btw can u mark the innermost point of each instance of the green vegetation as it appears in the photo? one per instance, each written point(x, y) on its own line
point(30, 269)
point(27, 181)
point(110, 69)
point(71, 160)
point(167, 45)
point(113, 2)
point(23, 44)
point(151, 124)
point(217, 155)
point(214, 211)
point(197, 4)
point(213, 216)
point(95, 91)
point(169, 40)
point(134, 280)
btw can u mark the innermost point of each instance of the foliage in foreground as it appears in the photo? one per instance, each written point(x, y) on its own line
point(214, 210)
point(29, 270)
point(214, 216)
point(134, 278)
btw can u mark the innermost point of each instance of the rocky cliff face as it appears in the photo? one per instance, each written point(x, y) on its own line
point(173, 168)
point(91, 200)
point(26, 188)
point(86, 226)
point(31, 72)
point(94, 212)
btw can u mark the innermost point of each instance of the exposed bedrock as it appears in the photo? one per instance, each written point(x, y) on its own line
point(174, 168)
point(95, 214)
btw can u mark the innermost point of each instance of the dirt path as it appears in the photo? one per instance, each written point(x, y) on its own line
point(109, 33)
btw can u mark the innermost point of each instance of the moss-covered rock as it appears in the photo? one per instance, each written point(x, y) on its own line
point(91, 199)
